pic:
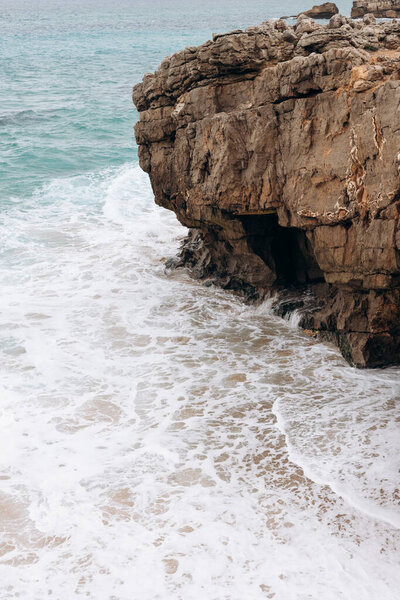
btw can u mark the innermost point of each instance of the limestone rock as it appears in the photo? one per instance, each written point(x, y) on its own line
point(379, 8)
point(320, 11)
point(279, 147)
point(323, 11)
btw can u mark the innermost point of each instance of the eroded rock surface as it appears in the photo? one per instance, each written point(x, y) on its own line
point(320, 11)
point(379, 8)
point(279, 147)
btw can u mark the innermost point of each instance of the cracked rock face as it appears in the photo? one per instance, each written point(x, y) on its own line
point(379, 8)
point(279, 147)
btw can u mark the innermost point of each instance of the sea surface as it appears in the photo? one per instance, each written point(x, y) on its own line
point(159, 439)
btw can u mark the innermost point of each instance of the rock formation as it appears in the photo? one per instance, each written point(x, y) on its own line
point(319, 11)
point(279, 147)
point(380, 8)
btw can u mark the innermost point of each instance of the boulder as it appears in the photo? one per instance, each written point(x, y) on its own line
point(319, 11)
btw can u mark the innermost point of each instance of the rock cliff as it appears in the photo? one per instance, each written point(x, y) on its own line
point(379, 8)
point(279, 147)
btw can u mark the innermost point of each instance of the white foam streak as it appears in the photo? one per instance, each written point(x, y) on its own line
point(352, 443)
point(294, 318)
point(389, 515)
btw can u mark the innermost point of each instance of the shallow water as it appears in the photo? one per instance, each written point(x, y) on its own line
point(159, 439)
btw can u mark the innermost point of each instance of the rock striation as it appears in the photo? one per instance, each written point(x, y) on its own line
point(379, 8)
point(319, 11)
point(279, 148)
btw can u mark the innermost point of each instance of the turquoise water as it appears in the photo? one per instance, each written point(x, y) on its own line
point(159, 440)
point(67, 70)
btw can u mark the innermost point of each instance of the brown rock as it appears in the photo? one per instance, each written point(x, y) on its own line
point(323, 11)
point(279, 147)
point(319, 11)
point(378, 8)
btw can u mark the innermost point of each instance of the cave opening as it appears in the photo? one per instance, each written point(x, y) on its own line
point(286, 250)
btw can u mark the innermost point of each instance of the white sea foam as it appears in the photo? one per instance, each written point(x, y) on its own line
point(294, 318)
point(140, 457)
point(349, 438)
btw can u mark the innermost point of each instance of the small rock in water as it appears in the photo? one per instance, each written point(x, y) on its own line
point(319, 11)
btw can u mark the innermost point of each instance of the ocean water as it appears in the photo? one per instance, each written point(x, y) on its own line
point(160, 440)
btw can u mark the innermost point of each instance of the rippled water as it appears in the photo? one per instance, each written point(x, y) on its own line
point(159, 439)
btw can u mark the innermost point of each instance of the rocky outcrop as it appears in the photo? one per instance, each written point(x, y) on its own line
point(319, 11)
point(279, 147)
point(380, 8)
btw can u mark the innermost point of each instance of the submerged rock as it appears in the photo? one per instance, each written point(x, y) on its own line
point(379, 8)
point(279, 147)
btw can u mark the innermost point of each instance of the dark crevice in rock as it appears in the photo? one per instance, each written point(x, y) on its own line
point(299, 95)
point(286, 251)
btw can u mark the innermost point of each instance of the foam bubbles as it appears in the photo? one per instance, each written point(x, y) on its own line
point(140, 453)
point(352, 441)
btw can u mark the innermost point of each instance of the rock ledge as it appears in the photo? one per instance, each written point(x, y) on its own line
point(389, 9)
